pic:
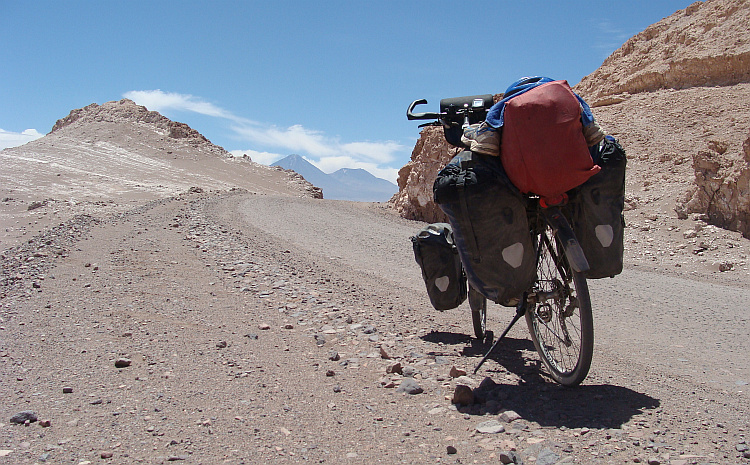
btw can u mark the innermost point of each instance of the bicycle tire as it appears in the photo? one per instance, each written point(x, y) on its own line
point(478, 304)
point(561, 326)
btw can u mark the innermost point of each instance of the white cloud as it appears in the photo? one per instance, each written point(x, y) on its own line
point(294, 138)
point(14, 139)
point(326, 152)
point(157, 100)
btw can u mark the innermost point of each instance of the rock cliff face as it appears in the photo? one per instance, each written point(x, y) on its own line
point(723, 186)
point(677, 96)
point(414, 198)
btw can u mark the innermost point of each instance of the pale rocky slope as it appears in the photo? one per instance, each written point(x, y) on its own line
point(103, 159)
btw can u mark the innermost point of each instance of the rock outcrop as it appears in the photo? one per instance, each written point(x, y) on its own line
point(723, 186)
point(414, 198)
point(126, 111)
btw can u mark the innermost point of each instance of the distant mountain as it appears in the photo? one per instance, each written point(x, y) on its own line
point(345, 184)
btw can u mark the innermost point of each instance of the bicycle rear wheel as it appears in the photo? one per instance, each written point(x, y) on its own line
point(478, 304)
point(559, 314)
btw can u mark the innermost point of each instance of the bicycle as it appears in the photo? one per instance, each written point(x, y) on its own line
point(557, 307)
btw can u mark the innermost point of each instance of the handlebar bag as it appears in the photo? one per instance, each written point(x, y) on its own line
point(490, 226)
point(543, 149)
point(596, 213)
point(437, 256)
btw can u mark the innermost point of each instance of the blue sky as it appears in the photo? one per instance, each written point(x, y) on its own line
point(330, 81)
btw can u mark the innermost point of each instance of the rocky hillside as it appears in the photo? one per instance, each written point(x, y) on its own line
point(107, 158)
point(706, 44)
point(677, 96)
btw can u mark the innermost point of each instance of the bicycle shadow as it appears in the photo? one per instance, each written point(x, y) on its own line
point(535, 396)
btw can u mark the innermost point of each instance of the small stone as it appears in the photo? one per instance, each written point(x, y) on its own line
point(264, 327)
point(369, 329)
point(467, 381)
point(22, 417)
point(509, 456)
point(456, 373)
point(547, 457)
point(409, 371)
point(463, 395)
point(394, 368)
point(106, 454)
point(45, 423)
point(490, 427)
point(383, 354)
point(122, 362)
point(288, 326)
point(742, 447)
point(337, 388)
point(330, 373)
point(252, 336)
point(509, 416)
point(653, 461)
point(67, 390)
point(221, 345)
point(334, 356)
point(451, 450)
point(410, 386)
point(174, 458)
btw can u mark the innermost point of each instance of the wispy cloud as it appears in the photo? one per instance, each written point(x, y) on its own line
point(326, 152)
point(157, 100)
point(14, 139)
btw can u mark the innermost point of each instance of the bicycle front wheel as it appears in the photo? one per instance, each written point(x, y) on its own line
point(559, 314)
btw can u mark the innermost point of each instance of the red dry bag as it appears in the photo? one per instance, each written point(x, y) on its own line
point(543, 149)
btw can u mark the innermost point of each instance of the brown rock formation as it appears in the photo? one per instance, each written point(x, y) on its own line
point(415, 179)
point(723, 186)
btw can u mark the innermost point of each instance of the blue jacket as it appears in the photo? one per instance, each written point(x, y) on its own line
point(496, 114)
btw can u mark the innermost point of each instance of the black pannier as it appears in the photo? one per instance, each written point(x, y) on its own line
point(596, 212)
point(490, 226)
point(437, 256)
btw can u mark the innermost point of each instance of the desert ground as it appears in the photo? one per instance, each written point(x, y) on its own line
point(239, 327)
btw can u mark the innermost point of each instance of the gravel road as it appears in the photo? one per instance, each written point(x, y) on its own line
point(246, 328)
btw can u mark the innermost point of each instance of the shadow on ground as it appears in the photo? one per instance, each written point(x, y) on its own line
point(536, 397)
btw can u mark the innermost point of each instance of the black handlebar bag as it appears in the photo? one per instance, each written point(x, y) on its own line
point(596, 213)
point(490, 226)
point(437, 256)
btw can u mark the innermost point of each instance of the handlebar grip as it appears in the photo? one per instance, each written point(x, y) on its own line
point(412, 116)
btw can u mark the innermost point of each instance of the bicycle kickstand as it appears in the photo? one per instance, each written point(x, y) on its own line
point(520, 311)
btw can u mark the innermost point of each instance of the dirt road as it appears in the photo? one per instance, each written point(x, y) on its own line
point(251, 328)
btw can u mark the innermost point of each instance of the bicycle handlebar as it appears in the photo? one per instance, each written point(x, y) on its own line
point(412, 116)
